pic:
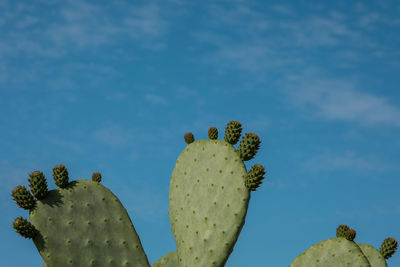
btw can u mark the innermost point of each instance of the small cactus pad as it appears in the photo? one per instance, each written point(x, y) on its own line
point(388, 247)
point(254, 177)
point(213, 133)
point(96, 177)
point(169, 260)
point(84, 224)
point(233, 131)
point(335, 252)
point(249, 146)
point(189, 138)
point(208, 202)
point(23, 197)
point(374, 257)
point(60, 175)
point(24, 228)
point(38, 184)
point(341, 230)
point(350, 234)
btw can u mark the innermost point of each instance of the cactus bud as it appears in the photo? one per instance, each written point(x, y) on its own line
point(23, 197)
point(341, 230)
point(388, 247)
point(38, 184)
point(96, 176)
point(254, 177)
point(249, 146)
point(233, 131)
point(213, 133)
point(24, 228)
point(350, 234)
point(189, 138)
point(60, 175)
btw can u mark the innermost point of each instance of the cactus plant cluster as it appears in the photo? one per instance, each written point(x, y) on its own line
point(343, 251)
point(82, 223)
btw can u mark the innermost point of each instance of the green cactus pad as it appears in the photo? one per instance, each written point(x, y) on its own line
point(169, 260)
point(341, 230)
point(233, 131)
point(213, 133)
point(60, 175)
point(335, 252)
point(24, 228)
point(388, 247)
point(374, 257)
point(23, 197)
point(84, 224)
point(38, 184)
point(208, 202)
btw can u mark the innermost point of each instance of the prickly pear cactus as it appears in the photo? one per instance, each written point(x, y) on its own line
point(81, 223)
point(342, 251)
point(209, 195)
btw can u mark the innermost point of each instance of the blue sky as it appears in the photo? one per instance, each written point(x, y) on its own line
point(113, 86)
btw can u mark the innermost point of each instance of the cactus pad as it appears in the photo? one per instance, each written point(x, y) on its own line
point(84, 224)
point(208, 202)
point(335, 252)
point(169, 260)
point(374, 257)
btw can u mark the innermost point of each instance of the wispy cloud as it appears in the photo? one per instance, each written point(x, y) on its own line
point(155, 99)
point(348, 161)
point(113, 135)
point(336, 99)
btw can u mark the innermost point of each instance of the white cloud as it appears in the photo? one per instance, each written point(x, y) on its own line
point(155, 99)
point(113, 135)
point(348, 160)
point(335, 99)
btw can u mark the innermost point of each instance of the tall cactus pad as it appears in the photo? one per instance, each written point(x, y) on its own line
point(169, 260)
point(335, 252)
point(374, 257)
point(388, 247)
point(84, 224)
point(208, 202)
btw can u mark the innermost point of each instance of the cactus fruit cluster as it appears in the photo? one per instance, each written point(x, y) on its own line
point(343, 251)
point(82, 223)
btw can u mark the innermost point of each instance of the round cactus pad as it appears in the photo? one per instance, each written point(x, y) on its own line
point(335, 252)
point(374, 257)
point(84, 224)
point(208, 202)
